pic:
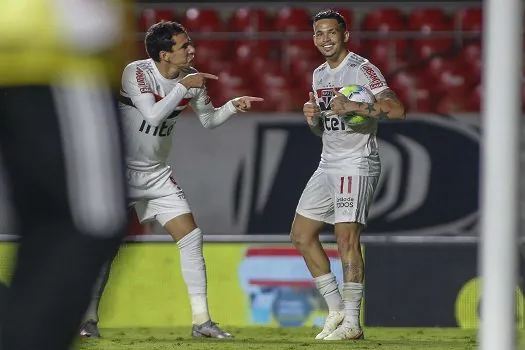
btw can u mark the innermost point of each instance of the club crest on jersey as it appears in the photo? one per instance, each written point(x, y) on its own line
point(325, 95)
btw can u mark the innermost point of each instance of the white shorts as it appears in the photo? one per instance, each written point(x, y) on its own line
point(156, 195)
point(335, 197)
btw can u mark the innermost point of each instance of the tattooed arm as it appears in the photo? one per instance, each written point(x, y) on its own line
point(387, 106)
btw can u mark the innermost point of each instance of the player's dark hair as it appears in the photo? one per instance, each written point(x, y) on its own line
point(159, 37)
point(331, 14)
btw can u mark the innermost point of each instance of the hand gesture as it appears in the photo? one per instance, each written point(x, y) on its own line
point(244, 103)
point(340, 104)
point(196, 80)
point(311, 109)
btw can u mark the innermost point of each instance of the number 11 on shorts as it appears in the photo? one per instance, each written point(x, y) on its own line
point(346, 184)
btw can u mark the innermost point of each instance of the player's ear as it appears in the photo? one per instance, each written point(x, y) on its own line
point(164, 56)
point(346, 36)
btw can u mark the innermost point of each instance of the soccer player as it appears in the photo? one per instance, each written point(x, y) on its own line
point(154, 92)
point(341, 190)
point(61, 147)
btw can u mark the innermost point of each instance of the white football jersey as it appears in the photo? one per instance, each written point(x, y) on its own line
point(354, 150)
point(148, 145)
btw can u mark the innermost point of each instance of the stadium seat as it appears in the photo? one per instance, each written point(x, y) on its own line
point(426, 48)
point(215, 66)
point(452, 83)
point(226, 93)
point(246, 19)
point(202, 20)
point(274, 86)
point(292, 19)
point(381, 55)
point(474, 70)
point(247, 50)
point(469, 19)
point(404, 83)
point(348, 14)
point(277, 100)
point(301, 66)
point(293, 48)
point(299, 96)
point(446, 77)
point(384, 20)
point(471, 57)
point(403, 79)
point(385, 54)
point(473, 100)
point(436, 66)
point(148, 17)
point(354, 46)
point(426, 19)
point(263, 66)
point(423, 101)
point(450, 104)
point(230, 78)
point(470, 52)
point(304, 84)
point(208, 49)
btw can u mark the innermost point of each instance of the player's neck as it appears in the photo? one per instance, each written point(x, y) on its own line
point(167, 71)
point(336, 61)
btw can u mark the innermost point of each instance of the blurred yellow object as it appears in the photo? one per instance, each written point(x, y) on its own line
point(41, 40)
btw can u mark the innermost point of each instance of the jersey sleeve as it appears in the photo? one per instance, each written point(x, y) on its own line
point(201, 101)
point(370, 76)
point(135, 87)
point(134, 81)
point(209, 116)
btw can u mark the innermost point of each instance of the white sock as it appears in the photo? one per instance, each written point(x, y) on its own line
point(194, 273)
point(327, 287)
point(352, 295)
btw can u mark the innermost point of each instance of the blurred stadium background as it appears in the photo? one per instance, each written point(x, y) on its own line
point(243, 180)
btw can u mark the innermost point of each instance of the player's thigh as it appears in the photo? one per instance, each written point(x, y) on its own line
point(171, 210)
point(353, 196)
point(314, 207)
point(316, 201)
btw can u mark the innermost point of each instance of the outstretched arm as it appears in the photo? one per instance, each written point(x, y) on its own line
point(212, 117)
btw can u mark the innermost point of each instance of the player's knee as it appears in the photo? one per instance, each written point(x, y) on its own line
point(301, 239)
point(304, 233)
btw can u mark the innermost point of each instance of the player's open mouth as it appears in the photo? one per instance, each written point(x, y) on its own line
point(328, 46)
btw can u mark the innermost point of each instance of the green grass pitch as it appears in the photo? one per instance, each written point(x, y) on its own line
point(255, 338)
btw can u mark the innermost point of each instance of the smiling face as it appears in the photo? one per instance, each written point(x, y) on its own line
point(330, 38)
